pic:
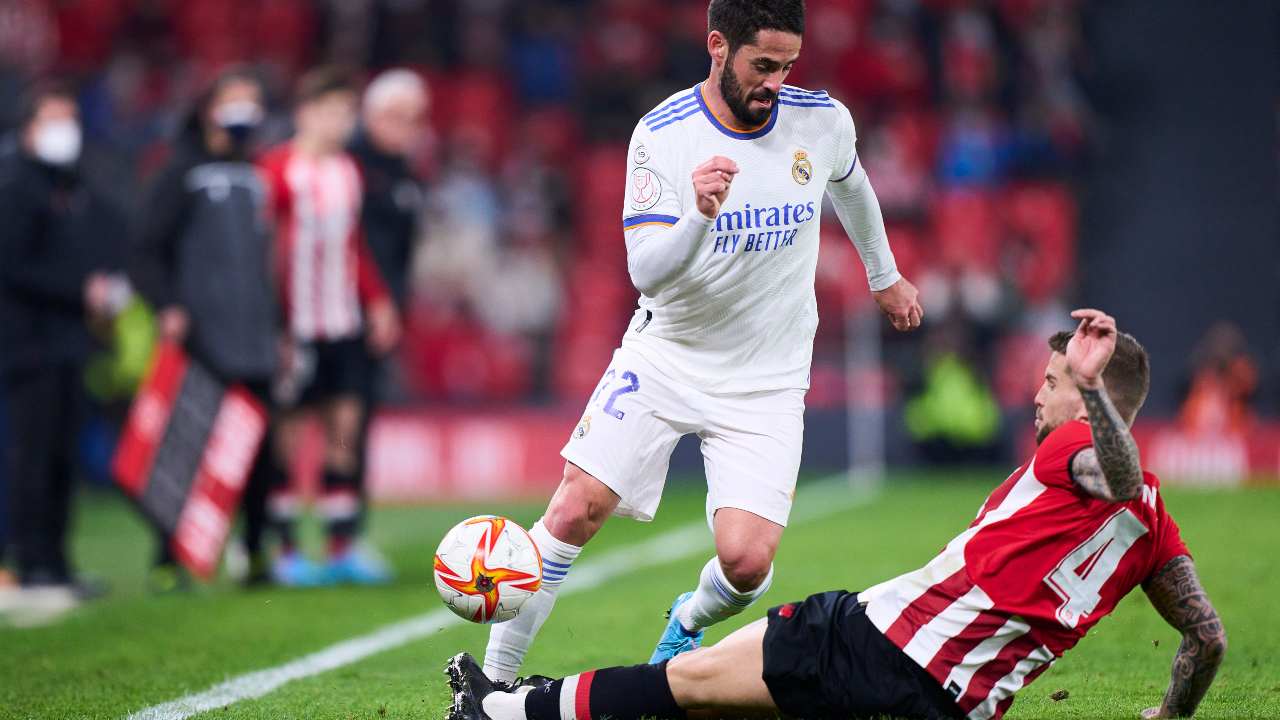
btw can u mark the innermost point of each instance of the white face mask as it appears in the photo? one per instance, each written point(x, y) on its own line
point(57, 142)
point(238, 112)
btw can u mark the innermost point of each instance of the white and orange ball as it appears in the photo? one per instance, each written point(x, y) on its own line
point(486, 568)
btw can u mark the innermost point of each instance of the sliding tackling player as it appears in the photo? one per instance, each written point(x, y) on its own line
point(1052, 551)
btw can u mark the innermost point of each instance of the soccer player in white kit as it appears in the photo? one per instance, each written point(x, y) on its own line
point(724, 192)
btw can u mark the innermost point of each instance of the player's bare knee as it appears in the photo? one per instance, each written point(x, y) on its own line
point(746, 567)
point(579, 507)
point(568, 519)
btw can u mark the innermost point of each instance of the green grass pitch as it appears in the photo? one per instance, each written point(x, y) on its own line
point(130, 651)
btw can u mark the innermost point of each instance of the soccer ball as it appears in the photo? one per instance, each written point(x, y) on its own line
point(486, 568)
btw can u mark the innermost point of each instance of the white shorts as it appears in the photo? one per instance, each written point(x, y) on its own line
point(751, 442)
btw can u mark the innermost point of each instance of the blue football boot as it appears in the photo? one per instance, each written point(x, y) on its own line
point(358, 565)
point(675, 639)
point(293, 569)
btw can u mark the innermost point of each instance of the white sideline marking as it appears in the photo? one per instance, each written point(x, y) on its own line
point(821, 498)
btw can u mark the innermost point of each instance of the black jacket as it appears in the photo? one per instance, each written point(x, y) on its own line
point(389, 216)
point(54, 230)
point(202, 242)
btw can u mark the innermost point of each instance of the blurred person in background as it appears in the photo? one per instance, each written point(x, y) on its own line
point(391, 129)
point(58, 241)
point(1223, 378)
point(202, 257)
point(953, 416)
point(338, 310)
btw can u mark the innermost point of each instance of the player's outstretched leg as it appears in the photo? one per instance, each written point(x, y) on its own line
point(739, 574)
point(576, 512)
point(726, 678)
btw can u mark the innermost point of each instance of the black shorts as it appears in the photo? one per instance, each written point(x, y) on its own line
point(333, 368)
point(823, 658)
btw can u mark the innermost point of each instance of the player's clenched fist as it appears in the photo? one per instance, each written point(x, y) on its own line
point(711, 181)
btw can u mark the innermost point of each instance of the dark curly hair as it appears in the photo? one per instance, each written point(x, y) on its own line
point(740, 20)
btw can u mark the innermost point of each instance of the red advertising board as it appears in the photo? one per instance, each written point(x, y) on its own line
point(185, 455)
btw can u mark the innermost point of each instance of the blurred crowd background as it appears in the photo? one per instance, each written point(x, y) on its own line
point(1029, 155)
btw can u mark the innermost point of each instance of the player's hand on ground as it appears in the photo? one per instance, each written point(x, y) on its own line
point(711, 181)
point(384, 327)
point(1154, 712)
point(1090, 349)
point(900, 302)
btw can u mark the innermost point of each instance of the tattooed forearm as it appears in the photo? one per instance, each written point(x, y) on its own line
point(1176, 593)
point(1112, 470)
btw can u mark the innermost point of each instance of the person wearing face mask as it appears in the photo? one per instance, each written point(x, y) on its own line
point(203, 258)
point(58, 240)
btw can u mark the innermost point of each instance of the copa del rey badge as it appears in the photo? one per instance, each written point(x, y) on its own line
point(646, 189)
point(802, 169)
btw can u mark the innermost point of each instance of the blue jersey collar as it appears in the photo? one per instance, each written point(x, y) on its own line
point(736, 134)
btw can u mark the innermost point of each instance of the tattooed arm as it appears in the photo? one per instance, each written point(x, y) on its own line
point(1176, 593)
point(1109, 470)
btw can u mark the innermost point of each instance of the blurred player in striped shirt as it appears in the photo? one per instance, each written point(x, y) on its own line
point(337, 304)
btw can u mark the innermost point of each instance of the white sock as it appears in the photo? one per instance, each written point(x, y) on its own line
point(505, 706)
point(716, 598)
point(509, 641)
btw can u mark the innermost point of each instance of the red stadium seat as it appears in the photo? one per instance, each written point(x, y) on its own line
point(1040, 245)
point(967, 228)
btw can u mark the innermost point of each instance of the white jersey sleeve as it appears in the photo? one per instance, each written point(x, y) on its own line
point(846, 144)
point(858, 208)
point(653, 197)
point(662, 236)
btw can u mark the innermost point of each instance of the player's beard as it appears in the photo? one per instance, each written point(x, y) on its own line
point(1044, 430)
point(739, 103)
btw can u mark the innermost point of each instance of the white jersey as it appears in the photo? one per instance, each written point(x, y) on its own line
point(742, 315)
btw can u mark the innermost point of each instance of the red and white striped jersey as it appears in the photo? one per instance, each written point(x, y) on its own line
point(326, 270)
point(1042, 562)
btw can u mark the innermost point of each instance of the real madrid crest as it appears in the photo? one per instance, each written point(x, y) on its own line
point(584, 427)
point(802, 169)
